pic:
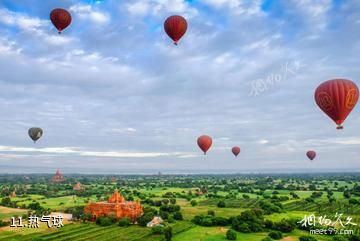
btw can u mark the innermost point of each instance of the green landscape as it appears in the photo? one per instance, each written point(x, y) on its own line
point(193, 207)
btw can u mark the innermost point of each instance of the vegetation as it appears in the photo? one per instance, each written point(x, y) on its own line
point(197, 207)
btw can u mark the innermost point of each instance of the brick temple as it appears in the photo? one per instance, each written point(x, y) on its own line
point(58, 177)
point(77, 187)
point(116, 205)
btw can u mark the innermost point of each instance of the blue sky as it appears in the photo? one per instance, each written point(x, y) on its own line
point(113, 93)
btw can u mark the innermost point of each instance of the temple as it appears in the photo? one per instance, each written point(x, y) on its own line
point(117, 206)
point(58, 177)
point(77, 187)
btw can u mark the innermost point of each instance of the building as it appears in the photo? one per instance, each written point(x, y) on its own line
point(117, 206)
point(13, 194)
point(77, 187)
point(155, 222)
point(58, 177)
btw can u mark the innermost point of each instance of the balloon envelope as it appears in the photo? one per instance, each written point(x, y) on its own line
point(35, 133)
point(311, 155)
point(204, 142)
point(235, 150)
point(60, 18)
point(337, 98)
point(175, 27)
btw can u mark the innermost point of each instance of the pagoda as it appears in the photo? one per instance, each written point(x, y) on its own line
point(117, 206)
point(77, 187)
point(58, 177)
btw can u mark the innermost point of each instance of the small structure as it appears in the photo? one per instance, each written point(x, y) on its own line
point(77, 187)
point(155, 222)
point(117, 206)
point(13, 194)
point(58, 177)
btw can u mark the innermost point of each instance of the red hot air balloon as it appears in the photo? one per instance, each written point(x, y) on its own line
point(175, 26)
point(204, 142)
point(311, 155)
point(337, 98)
point(60, 18)
point(235, 150)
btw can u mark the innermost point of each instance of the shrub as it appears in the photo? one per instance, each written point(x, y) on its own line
point(339, 238)
point(193, 203)
point(275, 235)
point(3, 223)
point(307, 238)
point(178, 216)
point(231, 235)
point(103, 221)
point(211, 212)
point(285, 226)
point(124, 222)
point(145, 218)
point(221, 204)
point(157, 229)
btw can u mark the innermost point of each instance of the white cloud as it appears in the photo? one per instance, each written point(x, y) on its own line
point(82, 152)
point(239, 7)
point(87, 12)
point(161, 7)
point(21, 21)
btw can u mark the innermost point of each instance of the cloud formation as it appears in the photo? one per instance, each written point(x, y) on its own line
point(112, 90)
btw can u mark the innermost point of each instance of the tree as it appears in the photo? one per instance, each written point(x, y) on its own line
point(145, 218)
point(347, 194)
point(221, 204)
point(285, 226)
point(275, 235)
point(178, 215)
point(168, 233)
point(231, 235)
point(173, 201)
point(157, 229)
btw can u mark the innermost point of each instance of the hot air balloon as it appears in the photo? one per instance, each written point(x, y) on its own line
point(311, 155)
point(337, 98)
point(204, 142)
point(35, 133)
point(60, 18)
point(175, 26)
point(235, 150)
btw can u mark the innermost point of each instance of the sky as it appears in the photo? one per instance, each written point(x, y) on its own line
point(113, 94)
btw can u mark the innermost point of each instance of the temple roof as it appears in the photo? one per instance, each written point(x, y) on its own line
point(116, 198)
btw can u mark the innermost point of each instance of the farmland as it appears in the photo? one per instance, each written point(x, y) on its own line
point(208, 205)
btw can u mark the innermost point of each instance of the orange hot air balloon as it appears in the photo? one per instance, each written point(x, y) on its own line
point(60, 18)
point(235, 150)
point(204, 142)
point(311, 155)
point(175, 26)
point(337, 98)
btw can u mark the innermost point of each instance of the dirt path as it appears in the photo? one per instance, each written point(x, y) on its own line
point(288, 239)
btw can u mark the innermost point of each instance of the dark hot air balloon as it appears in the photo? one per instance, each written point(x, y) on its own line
point(35, 133)
point(60, 18)
point(235, 150)
point(175, 26)
point(204, 142)
point(311, 155)
point(337, 98)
